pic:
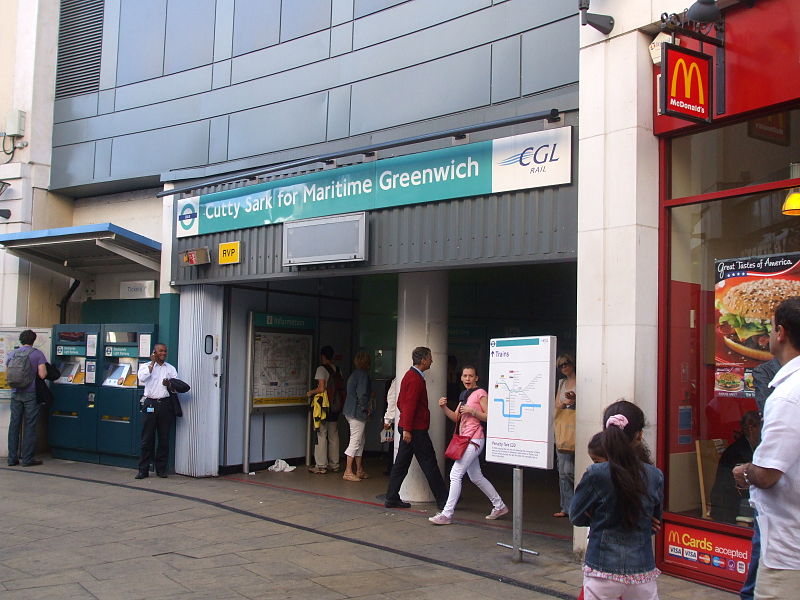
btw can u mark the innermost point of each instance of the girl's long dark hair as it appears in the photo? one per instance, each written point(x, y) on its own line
point(625, 461)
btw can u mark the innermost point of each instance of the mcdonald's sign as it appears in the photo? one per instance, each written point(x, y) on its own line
point(686, 84)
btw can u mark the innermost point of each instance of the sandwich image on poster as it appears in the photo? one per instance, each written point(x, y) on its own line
point(729, 380)
point(746, 293)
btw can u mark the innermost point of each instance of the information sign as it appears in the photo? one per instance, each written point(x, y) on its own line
point(521, 391)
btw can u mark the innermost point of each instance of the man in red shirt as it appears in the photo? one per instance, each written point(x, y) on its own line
point(415, 419)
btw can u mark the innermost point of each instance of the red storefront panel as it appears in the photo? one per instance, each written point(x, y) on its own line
point(761, 49)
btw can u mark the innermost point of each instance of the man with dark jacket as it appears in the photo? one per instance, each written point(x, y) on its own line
point(415, 419)
point(159, 411)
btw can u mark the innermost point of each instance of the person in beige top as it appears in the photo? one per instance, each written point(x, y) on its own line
point(565, 432)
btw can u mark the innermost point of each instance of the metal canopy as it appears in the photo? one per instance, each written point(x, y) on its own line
point(78, 252)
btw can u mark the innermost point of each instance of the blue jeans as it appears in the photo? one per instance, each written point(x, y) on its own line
point(22, 403)
point(566, 478)
point(748, 589)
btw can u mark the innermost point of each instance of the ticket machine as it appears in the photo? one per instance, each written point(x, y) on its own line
point(72, 419)
point(123, 347)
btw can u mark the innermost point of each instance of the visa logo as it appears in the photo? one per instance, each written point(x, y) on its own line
point(690, 554)
point(704, 558)
point(718, 562)
point(675, 551)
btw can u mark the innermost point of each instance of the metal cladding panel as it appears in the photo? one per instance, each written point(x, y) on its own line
point(526, 226)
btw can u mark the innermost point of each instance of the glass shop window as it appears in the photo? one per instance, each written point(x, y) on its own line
point(731, 262)
point(760, 150)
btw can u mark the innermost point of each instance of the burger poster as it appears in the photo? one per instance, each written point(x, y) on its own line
point(746, 293)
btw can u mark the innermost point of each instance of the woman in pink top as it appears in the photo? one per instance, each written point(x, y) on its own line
point(471, 411)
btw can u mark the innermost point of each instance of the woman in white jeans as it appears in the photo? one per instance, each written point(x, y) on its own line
point(471, 411)
point(356, 410)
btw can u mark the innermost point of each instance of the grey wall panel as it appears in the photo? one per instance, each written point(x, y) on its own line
point(341, 11)
point(141, 40)
point(149, 92)
point(506, 69)
point(108, 61)
point(292, 123)
point(76, 163)
point(303, 67)
point(338, 113)
point(76, 107)
point(105, 101)
point(256, 25)
point(290, 55)
point(448, 85)
point(301, 17)
point(539, 70)
point(218, 139)
point(223, 29)
point(526, 226)
point(366, 7)
point(408, 17)
point(390, 56)
point(222, 74)
point(341, 39)
point(102, 159)
point(190, 34)
point(154, 151)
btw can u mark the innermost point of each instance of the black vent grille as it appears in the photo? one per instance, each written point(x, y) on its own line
point(80, 40)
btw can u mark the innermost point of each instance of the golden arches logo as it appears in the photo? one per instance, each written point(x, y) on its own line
point(674, 537)
point(689, 74)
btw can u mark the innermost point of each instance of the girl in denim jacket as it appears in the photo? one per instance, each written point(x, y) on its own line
point(618, 500)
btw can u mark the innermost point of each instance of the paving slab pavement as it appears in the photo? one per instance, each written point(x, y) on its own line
point(78, 530)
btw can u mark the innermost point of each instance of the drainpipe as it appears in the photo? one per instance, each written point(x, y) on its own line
point(63, 304)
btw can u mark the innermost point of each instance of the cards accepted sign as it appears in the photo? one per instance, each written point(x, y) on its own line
point(709, 552)
point(685, 84)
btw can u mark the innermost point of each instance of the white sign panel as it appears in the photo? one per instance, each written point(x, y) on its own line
point(521, 391)
point(532, 160)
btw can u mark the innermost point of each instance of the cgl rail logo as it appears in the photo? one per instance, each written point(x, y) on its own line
point(685, 84)
point(536, 159)
point(538, 156)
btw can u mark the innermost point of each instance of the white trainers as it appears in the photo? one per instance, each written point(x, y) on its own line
point(497, 513)
point(440, 519)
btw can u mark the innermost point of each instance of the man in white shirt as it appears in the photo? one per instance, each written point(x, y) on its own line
point(774, 475)
point(157, 410)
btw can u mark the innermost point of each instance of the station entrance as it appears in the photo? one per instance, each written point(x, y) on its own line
point(358, 313)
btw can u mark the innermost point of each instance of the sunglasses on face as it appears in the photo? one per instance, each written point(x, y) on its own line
point(562, 365)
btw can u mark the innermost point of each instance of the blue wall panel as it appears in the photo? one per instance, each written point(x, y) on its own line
point(539, 47)
point(76, 107)
point(190, 34)
point(410, 16)
point(141, 40)
point(450, 85)
point(256, 25)
point(193, 81)
point(76, 163)
point(292, 85)
point(301, 17)
point(277, 126)
point(156, 151)
point(287, 56)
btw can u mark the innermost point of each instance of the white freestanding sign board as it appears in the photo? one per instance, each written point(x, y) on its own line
point(521, 391)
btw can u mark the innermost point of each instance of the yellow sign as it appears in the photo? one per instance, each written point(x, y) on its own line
point(229, 253)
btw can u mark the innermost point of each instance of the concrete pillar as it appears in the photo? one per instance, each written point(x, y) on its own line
point(617, 316)
point(422, 321)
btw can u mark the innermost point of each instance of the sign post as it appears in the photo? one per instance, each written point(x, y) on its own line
point(519, 428)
